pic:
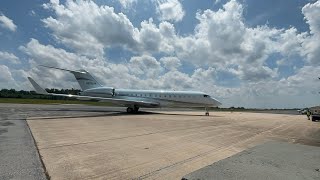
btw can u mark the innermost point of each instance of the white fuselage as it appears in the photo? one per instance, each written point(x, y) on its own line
point(163, 98)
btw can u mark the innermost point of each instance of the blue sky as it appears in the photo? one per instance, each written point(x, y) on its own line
point(244, 52)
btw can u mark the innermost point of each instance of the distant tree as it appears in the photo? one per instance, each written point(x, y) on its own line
point(12, 93)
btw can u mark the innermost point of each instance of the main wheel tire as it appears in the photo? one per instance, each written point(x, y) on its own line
point(135, 109)
point(207, 114)
point(129, 110)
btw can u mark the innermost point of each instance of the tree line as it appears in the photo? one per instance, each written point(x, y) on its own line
point(12, 93)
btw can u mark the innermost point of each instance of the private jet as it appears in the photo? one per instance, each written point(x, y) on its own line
point(132, 99)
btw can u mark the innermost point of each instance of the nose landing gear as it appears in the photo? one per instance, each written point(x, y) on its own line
point(207, 111)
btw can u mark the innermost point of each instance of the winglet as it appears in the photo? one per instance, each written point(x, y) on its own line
point(38, 88)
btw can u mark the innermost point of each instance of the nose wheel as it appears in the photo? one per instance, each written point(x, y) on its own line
point(207, 111)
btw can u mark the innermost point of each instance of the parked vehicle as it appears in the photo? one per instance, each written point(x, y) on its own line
point(315, 113)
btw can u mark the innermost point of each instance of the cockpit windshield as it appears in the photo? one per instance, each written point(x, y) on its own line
point(205, 95)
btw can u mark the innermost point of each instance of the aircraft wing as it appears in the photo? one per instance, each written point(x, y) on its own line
point(142, 103)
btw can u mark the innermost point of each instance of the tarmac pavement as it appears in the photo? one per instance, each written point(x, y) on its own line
point(19, 158)
point(158, 145)
point(272, 160)
point(78, 141)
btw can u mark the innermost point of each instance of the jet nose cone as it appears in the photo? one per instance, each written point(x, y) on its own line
point(216, 102)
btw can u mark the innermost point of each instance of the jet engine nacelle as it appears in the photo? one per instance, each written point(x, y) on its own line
point(101, 92)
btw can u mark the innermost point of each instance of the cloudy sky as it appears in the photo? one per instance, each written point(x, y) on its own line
point(250, 53)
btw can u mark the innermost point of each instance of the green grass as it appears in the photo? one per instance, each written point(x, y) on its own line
point(49, 101)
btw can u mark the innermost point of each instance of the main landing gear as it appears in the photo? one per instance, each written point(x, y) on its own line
point(207, 111)
point(135, 109)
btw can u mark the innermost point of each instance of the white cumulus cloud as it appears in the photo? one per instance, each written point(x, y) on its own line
point(170, 63)
point(89, 28)
point(170, 10)
point(222, 43)
point(7, 23)
point(127, 3)
point(6, 79)
point(311, 45)
point(6, 57)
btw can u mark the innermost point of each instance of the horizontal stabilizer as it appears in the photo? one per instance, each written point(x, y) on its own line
point(38, 88)
point(63, 69)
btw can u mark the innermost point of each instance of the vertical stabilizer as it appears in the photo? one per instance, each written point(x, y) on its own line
point(85, 80)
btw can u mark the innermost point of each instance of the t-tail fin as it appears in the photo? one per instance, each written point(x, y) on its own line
point(84, 78)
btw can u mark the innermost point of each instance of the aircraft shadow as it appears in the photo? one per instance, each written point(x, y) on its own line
point(71, 116)
point(122, 113)
point(106, 113)
point(177, 114)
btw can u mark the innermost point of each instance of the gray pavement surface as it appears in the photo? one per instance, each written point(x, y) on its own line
point(273, 160)
point(19, 158)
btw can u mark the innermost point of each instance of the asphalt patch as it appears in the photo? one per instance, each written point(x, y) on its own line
point(3, 130)
point(272, 160)
point(6, 123)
